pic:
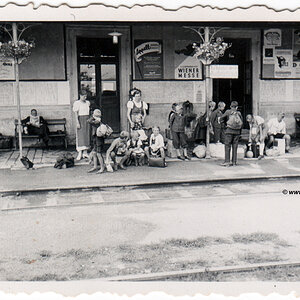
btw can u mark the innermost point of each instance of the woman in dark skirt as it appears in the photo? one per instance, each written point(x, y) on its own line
point(81, 108)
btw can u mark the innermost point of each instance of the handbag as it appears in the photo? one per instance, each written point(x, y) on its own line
point(26, 162)
point(157, 162)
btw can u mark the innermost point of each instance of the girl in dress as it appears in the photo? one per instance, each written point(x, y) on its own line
point(81, 109)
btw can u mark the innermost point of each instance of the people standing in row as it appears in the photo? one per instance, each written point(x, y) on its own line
point(234, 124)
point(81, 108)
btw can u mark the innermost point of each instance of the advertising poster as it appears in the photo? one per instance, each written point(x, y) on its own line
point(148, 59)
point(268, 55)
point(296, 45)
point(272, 37)
point(283, 63)
point(7, 71)
point(187, 67)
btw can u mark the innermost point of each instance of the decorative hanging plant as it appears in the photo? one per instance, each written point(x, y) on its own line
point(18, 50)
point(207, 52)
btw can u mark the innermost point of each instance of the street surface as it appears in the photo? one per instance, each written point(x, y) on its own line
point(119, 231)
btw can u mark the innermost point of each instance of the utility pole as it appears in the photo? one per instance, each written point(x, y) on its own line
point(17, 89)
point(208, 94)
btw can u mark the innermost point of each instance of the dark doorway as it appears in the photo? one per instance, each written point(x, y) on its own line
point(98, 74)
point(240, 89)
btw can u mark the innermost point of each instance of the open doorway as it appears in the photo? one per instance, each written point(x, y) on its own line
point(98, 74)
point(239, 89)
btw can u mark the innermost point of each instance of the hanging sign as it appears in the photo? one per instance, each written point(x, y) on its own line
point(224, 71)
point(7, 71)
point(148, 59)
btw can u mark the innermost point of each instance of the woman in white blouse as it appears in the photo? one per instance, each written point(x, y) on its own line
point(81, 109)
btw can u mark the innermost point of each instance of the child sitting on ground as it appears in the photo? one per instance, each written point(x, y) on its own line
point(117, 148)
point(135, 149)
point(156, 144)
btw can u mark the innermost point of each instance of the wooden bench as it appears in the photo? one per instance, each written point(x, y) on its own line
point(54, 122)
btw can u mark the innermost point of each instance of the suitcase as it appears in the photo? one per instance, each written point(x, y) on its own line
point(157, 162)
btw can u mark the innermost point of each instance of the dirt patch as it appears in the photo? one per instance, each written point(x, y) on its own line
point(128, 259)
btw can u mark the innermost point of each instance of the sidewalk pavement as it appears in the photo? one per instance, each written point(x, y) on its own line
point(195, 171)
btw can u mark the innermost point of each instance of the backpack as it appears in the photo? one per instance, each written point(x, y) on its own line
point(234, 120)
point(26, 162)
point(107, 130)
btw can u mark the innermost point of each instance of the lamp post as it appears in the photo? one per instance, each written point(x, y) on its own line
point(207, 51)
point(18, 50)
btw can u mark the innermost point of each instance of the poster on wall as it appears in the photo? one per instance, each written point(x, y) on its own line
point(268, 55)
point(272, 37)
point(7, 71)
point(186, 66)
point(296, 45)
point(148, 59)
point(283, 63)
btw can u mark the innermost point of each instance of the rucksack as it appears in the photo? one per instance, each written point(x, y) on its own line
point(104, 130)
point(235, 121)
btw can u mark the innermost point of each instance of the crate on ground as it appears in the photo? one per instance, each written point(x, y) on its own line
point(280, 144)
point(60, 133)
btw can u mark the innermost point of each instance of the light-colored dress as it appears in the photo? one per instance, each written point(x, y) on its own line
point(82, 134)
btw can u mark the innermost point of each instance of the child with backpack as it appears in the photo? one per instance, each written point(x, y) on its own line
point(177, 126)
point(234, 123)
point(102, 131)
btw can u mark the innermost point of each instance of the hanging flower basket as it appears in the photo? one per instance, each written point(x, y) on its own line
point(19, 50)
point(210, 51)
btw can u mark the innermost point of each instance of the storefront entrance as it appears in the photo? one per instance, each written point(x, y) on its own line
point(239, 89)
point(98, 74)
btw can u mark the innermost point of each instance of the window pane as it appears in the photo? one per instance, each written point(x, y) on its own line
point(108, 78)
point(88, 79)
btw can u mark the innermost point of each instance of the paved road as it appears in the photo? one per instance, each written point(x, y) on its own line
point(89, 220)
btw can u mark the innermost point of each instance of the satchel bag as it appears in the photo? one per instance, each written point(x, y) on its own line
point(157, 162)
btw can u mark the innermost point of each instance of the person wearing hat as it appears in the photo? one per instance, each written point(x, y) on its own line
point(119, 148)
point(277, 129)
point(81, 108)
point(136, 108)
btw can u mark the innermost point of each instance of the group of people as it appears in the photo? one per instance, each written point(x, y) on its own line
point(226, 127)
point(134, 146)
point(131, 146)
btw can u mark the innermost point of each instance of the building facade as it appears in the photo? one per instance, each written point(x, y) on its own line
point(156, 58)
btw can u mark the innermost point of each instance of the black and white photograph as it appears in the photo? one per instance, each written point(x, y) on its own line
point(147, 143)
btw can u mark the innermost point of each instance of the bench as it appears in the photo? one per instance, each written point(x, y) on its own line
point(55, 134)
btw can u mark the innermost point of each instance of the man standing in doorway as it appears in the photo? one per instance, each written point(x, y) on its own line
point(277, 129)
point(234, 124)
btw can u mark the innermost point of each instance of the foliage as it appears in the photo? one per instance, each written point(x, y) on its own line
point(18, 50)
point(207, 52)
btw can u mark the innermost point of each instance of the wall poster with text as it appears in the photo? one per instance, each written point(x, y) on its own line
point(148, 59)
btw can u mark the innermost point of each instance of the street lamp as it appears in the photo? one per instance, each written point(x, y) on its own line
point(207, 51)
point(115, 35)
point(18, 50)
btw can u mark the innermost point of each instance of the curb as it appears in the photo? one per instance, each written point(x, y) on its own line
point(184, 273)
point(148, 184)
